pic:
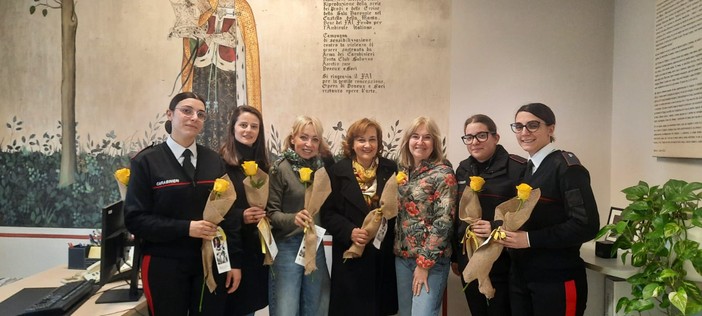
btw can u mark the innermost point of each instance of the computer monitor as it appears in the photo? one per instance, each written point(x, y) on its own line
point(114, 252)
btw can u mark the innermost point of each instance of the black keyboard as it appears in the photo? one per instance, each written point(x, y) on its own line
point(61, 299)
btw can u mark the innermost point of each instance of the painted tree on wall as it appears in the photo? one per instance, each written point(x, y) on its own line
point(69, 25)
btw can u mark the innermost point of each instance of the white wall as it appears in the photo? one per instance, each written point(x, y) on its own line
point(509, 53)
point(24, 256)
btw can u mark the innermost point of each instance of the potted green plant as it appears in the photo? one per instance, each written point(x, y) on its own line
point(654, 234)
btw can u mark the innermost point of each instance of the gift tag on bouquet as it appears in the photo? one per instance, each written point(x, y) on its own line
point(380, 235)
point(319, 232)
point(221, 251)
point(264, 231)
point(272, 247)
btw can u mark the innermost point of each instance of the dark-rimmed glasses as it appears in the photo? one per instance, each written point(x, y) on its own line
point(531, 126)
point(480, 137)
point(189, 112)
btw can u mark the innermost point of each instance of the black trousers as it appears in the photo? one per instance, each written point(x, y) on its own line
point(175, 287)
point(480, 306)
point(548, 298)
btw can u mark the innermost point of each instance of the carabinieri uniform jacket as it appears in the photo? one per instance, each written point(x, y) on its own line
point(162, 200)
point(565, 217)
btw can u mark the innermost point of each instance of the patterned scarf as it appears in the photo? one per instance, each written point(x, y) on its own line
point(298, 162)
point(366, 180)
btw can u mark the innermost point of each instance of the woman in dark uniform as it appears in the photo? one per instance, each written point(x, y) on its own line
point(364, 285)
point(246, 141)
point(547, 275)
point(501, 172)
point(166, 196)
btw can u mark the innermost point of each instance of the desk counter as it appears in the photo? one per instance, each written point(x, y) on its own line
point(53, 277)
point(610, 267)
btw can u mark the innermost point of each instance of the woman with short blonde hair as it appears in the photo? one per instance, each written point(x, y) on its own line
point(291, 292)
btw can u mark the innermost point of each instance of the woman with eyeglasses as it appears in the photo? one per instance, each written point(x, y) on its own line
point(167, 192)
point(427, 202)
point(501, 172)
point(547, 275)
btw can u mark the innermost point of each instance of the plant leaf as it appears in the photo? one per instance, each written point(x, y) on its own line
point(652, 290)
point(678, 299)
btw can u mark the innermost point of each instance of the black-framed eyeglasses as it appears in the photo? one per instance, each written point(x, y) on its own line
point(481, 137)
point(531, 126)
point(189, 112)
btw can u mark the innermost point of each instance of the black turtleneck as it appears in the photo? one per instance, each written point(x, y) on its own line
point(245, 152)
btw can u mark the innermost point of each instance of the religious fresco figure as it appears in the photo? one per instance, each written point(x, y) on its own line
point(220, 59)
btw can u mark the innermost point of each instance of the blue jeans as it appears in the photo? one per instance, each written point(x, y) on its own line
point(291, 292)
point(426, 303)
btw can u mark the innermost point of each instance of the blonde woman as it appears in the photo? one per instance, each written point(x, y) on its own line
point(290, 291)
point(424, 221)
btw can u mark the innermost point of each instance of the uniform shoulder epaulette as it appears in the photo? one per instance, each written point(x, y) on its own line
point(133, 154)
point(518, 158)
point(570, 158)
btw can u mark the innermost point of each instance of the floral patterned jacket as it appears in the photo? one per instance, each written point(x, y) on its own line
point(426, 211)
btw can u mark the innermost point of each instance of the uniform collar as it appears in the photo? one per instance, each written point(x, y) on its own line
point(178, 150)
point(541, 155)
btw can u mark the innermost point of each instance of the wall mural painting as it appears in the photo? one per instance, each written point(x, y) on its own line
point(53, 180)
point(53, 177)
point(46, 185)
point(220, 58)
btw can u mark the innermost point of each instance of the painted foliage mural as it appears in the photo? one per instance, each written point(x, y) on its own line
point(75, 108)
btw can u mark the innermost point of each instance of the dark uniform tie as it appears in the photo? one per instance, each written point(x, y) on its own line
point(187, 165)
point(529, 171)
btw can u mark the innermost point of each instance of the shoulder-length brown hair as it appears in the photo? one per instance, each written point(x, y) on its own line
point(437, 155)
point(357, 129)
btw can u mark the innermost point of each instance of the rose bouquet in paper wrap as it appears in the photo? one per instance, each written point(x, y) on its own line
point(122, 177)
point(218, 204)
point(387, 209)
point(513, 213)
point(256, 189)
point(470, 211)
point(315, 195)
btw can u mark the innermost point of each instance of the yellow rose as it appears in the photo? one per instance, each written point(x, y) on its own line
point(305, 174)
point(250, 168)
point(523, 191)
point(122, 175)
point(220, 186)
point(401, 177)
point(476, 183)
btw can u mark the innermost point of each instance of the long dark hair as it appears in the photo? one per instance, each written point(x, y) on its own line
point(229, 152)
point(176, 99)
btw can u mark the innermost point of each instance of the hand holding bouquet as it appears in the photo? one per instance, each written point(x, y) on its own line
point(387, 210)
point(513, 213)
point(218, 204)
